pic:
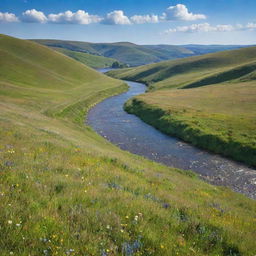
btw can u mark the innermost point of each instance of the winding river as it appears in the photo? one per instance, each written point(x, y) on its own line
point(130, 133)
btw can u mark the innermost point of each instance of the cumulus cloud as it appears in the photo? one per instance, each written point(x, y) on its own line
point(79, 17)
point(141, 19)
point(181, 12)
point(34, 16)
point(6, 17)
point(116, 18)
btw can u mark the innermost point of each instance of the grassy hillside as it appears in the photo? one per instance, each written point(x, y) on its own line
point(219, 118)
point(218, 115)
point(124, 52)
point(66, 191)
point(225, 65)
point(90, 60)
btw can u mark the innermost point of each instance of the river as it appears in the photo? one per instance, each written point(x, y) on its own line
point(129, 133)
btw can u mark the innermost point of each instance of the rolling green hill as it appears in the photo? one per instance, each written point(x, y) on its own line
point(124, 52)
point(90, 60)
point(214, 106)
point(132, 54)
point(65, 190)
point(193, 71)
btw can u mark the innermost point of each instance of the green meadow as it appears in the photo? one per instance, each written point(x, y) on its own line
point(209, 101)
point(65, 190)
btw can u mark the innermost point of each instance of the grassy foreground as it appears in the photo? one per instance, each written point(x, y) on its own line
point(214, 109)
point(64, 190)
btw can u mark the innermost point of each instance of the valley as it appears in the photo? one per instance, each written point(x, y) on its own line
point(65, 190)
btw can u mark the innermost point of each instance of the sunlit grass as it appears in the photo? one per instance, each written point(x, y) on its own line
point(61, 200)
point(219, 118)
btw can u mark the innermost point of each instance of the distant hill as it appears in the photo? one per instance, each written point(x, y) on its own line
point(195, 71)
point(129, 53)
point(198, 49)
point(124, 52)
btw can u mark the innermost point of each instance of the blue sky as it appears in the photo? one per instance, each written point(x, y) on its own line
point(138, 21)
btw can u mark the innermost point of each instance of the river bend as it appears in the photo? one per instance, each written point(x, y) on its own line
point(130, 133)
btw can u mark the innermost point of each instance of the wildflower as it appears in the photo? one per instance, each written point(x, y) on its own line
point(108, 227)
point(9, 222)
point(66, 175)
point(161, 246)
point(85, 191)
point(136, 218)
point(18, 225)
point(127, 217)
point(11, 253)
point(122, 231)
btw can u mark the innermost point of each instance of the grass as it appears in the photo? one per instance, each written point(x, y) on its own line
point(90, 60)
point(217, 118)
point(66, 191)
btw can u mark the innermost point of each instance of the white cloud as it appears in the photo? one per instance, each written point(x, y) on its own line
point(34, 16)
point(141, 19)
point(181, 12)
point(203, 27)
point(8, 17)
point(116, 18)
point(79, 17)
point(251, 26)
point(206, 27)
point(224, 28)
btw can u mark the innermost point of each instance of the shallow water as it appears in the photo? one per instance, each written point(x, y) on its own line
point(130, 133)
